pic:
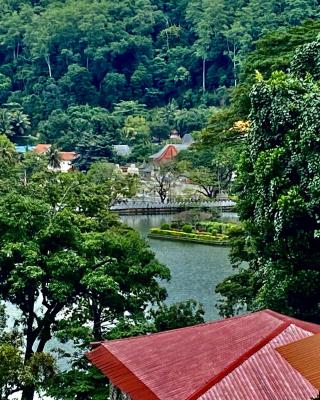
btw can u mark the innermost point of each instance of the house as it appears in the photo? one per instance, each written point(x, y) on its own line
point(122, 150)
point(235, 358)
point(171, 150)
point(66, 157)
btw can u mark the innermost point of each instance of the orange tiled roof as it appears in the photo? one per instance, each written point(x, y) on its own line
point(67, 155)
point(42, 148)
point(304, 356)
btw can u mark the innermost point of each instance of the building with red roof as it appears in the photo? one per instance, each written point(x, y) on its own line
point(42, 148)
point(231, 359)
point(170, 151)
point(66, 157)
point(167, 153)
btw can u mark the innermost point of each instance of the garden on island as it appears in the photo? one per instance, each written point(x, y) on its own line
point(205, 232)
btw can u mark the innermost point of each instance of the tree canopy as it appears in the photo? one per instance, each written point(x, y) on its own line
point(278, 189)
point(67, 62)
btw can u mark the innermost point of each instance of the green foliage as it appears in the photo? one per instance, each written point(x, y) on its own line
point(178, 315)
point(200, 237)
point(7, 151)
point(165, 226)
point(62, 250)
point(55, 55)
point(14, 373)
point(278, 202)
point(208, 168)
point(187, 228)
point(13, 122)
point(53, 158)
point(275, 50)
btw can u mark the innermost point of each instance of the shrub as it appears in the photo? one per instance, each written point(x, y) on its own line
point(218, 239)
point(187, 228)
point(165, 226)
point(174, 225)
point(201, 227)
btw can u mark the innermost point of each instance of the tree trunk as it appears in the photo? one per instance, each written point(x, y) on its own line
point(29, 333)
point(234, 66)
point(47, 58)
point(203, 74)
point(162, 193)
point(97, 331)
point(28, 393)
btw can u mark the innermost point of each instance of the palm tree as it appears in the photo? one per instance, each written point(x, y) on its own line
point(54, 158)
point(7, 150)
point(6, 127)
point(20, 121)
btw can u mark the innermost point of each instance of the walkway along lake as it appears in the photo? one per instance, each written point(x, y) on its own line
point(195, 269)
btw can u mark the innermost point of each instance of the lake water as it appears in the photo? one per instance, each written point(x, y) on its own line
point(196, 269)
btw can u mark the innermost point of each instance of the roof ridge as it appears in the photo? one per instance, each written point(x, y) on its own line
point(216, 322)
point(306, 325)
point(240, 360)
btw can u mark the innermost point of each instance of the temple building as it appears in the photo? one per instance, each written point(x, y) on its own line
point(171, 150)
point(232, 359)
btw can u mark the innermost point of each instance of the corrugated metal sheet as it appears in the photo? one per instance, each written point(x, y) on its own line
point(265, 375)
point(304, 356)
point(183, 364)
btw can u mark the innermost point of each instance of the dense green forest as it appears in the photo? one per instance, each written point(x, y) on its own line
point(78, 72)
point(242, 75)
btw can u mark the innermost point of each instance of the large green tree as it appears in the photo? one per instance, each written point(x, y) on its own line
point(63, 254)
point(278, 183)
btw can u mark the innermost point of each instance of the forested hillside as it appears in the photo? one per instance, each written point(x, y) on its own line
point(64, 65)
point(241, 75)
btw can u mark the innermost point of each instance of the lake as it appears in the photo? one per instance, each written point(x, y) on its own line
point(196, 269)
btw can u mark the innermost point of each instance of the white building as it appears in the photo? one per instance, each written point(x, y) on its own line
point(65, 157)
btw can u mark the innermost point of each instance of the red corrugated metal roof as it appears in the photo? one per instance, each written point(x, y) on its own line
point(265, 375)
point(183, 364)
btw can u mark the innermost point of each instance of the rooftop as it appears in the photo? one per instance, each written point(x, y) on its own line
point(42, 148)
point(169, 151)
point(304, 356)
point(233, 357)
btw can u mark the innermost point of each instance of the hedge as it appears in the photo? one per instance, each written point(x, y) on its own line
point(203, 237)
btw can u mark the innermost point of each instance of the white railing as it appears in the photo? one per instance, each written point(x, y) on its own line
point(132, 204)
